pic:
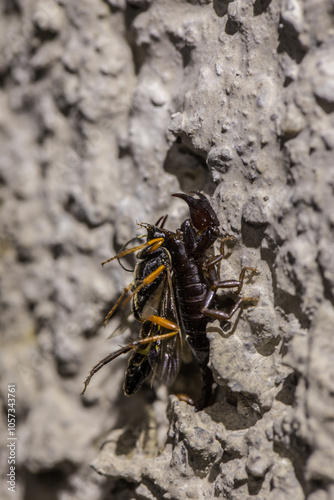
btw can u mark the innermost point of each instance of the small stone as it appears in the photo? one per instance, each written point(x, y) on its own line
point(293, 122)
point(257, 464)
point(324, 77)
point(219, 158)
point(255, 211)
point(48, 17)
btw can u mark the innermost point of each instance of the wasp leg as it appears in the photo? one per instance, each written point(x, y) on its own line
point(126, 349)
point(112, 310)
point(146, 281)
point(158, 320)
point(155, 243)
point(103, 362)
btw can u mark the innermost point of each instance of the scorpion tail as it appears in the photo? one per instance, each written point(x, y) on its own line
point(201, 212)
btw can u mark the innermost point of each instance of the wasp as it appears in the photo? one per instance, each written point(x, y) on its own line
point(173, 297)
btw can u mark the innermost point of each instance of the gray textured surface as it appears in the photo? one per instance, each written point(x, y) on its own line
point(107, 108)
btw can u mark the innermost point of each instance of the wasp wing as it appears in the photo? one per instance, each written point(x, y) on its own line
point(165, 355)
point(124, 325)
point(145, 355)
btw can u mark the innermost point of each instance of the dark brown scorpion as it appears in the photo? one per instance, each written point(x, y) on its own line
point(173, 296)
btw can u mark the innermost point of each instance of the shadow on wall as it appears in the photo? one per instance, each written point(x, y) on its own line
point(190, 169)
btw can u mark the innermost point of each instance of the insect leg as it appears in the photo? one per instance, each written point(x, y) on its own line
point(216, 313)
point(233, 283)
point(112, 310)
point(146, 281)
point(155, 243)
point(221, 315)
point(210, 263)
point(103, 362)
point(161, 222)
point(125, 350)
point(157, 320)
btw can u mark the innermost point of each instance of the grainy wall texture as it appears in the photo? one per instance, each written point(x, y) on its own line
point(108, 107)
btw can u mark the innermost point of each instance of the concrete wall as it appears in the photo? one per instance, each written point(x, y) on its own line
point(108, 107)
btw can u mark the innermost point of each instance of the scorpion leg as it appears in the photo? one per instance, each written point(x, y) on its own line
point(223, 316)
point(238, 284)
point(216, 313)
point(215, 284)
point(234, 283)
point(209, 265)
point(211, 262)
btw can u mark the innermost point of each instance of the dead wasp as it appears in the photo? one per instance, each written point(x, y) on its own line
point(173, 296)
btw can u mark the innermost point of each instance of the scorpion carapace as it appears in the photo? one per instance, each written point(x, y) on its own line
point(173, 297)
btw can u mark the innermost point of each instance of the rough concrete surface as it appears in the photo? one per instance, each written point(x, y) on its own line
point(108, 107)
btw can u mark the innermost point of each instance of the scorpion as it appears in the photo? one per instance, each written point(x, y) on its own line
point(173, 296)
